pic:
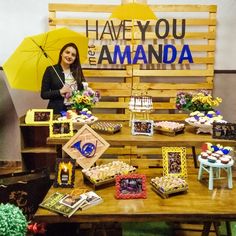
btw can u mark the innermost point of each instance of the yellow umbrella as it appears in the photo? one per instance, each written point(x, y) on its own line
point(25, 67)
point(133, 11)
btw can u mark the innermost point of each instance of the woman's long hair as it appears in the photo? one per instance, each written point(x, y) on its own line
point(75, 67)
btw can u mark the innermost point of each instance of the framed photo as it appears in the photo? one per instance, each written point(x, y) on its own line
point(86, 146)
point(224, 131)
point(39, 116)
point(65, 173)
point(131, 186)
point(174, 161)
point(60, 128)
point(142, 127)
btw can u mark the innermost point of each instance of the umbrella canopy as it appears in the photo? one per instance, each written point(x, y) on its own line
point(133, 11)
point(25, 67)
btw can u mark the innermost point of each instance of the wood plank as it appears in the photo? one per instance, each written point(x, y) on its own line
point(183, 8)
point(175, 73)
point(105, 73)
point(168, 86)
point(110, 8)
point(53, 20)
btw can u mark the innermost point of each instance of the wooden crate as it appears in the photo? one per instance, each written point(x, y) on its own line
point(118, 82)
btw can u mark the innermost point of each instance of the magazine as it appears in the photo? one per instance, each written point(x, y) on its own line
point(64, 204)
point(91, 199)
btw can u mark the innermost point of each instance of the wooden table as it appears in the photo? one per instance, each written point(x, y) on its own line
point(198, 205)
point(187, 139)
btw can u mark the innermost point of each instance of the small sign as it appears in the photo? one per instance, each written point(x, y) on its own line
point(86, 146)
point(224, 131)
point(131, 186)
point(142, 127)
point(62, 128)
point(39, 116)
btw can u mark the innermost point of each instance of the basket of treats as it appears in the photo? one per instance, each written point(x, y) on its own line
point(104, 175)
point(169, 128)
point(167, 185)
point(106, 127)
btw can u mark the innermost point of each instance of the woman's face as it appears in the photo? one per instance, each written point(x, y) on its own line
point(68, 56)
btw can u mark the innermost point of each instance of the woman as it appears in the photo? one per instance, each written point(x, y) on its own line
point(60, 80)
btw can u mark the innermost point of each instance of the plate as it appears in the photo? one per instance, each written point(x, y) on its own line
point(201, 128)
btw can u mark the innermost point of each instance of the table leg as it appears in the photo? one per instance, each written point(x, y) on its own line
point(194, 157)
point(229, 173)
point(206, 228)
point(210, 178)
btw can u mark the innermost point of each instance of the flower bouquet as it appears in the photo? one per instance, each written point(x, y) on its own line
point(201, 105)
point(201, 101)
point(86, 98)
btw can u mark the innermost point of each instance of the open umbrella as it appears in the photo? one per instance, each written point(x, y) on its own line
point(133, 11)
point(25, 67)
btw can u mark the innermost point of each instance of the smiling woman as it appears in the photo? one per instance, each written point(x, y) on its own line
point(60, 80)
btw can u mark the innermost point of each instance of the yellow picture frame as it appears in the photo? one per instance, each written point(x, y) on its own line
point(63, 128)
point(39, 116)
point(174, 161)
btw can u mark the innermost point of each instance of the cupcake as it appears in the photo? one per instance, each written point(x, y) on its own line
point(212, 159)
point(204, 155)
point(224, 160)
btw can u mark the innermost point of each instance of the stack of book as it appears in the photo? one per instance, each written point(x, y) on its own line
point(67, 204)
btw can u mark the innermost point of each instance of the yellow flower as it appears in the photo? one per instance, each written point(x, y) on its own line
point(78, 99)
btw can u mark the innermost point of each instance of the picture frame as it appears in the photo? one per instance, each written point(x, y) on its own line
point(86, 146)
point(142, 127)
point(63, 128)
point(131, 186)
point(224, 131)
point(174, 161)
point(65, 173)
point(39, 116)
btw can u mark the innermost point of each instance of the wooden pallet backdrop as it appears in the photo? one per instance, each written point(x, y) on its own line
point(118, 82)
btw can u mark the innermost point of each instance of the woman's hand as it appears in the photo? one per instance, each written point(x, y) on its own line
point(66, 91)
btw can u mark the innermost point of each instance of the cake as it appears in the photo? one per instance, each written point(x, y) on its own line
point(140, 103)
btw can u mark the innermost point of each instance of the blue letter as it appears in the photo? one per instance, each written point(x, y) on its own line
point(189, 55)
point(142, 57)
point(117, 53)
point(165, 54)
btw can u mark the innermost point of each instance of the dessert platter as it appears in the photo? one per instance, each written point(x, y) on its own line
point(106, 127)
point(104, 175)
point(168, 185)
point(204, 121)
point(84, 117)
point(216, 154)
point(169, 128)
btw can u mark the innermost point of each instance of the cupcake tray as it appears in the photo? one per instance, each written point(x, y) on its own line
point(168, 132)
point(167, 194)
point(100, 184)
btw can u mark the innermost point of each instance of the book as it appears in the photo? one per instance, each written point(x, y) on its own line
point(91, 199)
point(64, 204)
